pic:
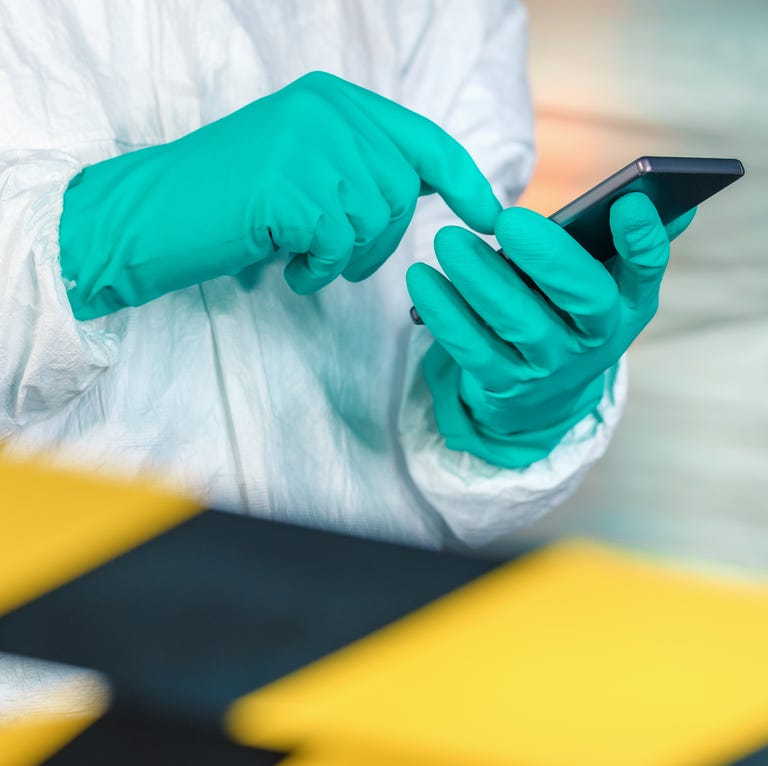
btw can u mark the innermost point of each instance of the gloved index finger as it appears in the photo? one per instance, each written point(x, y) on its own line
point(561, 269)
point(508, 302)
point(440, 161)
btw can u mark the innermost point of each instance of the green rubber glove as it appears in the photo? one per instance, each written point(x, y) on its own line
point(322, 168)
point(520, 352)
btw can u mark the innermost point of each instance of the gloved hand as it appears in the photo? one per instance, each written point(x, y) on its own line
point(520, 351)
point(321, 168)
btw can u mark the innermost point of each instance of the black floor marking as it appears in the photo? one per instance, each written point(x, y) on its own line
point(128, 739)
point(223, 604)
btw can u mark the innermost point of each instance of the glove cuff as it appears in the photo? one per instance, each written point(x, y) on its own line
point(464, 434)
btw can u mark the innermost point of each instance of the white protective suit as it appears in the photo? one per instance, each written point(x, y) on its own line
point(307, 409)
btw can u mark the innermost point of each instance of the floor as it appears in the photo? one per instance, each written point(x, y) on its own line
point(687, 473)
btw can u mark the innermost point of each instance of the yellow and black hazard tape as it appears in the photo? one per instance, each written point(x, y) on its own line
point(229, 640)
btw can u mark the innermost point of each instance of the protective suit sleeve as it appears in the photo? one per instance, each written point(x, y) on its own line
point(491, 116)
point(47, 357)
point(479, 501)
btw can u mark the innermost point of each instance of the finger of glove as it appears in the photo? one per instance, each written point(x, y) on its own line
point(328, 255)
point(471, 343)
point(516, 312)
point(371, 147)
point(643, 252)
point(365, 207)
point(438, 159)
point(360, 195)
point(562, 269)
point(396, 179)
point(367, 259)
point(679, 225)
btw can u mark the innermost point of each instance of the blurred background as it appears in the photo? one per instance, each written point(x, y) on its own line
point(688, 471)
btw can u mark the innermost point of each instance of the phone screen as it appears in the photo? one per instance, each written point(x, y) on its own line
point(675, 185)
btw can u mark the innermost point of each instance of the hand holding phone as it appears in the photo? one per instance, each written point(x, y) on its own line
point(523, 352)
point(674, 185)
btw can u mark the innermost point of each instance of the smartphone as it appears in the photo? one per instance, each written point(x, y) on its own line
point(673, 184)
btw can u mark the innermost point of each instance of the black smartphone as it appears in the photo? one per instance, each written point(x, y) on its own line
point(673, 184)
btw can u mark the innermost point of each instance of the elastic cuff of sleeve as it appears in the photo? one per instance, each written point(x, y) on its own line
point(51, 356)
point(99, 344)
point(462, 433)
